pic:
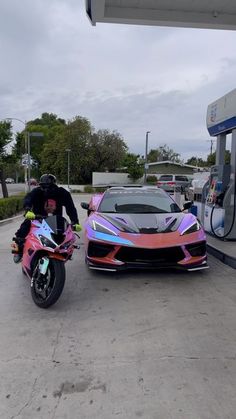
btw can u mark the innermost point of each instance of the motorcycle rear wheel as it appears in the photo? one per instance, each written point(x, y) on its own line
point(46, 289)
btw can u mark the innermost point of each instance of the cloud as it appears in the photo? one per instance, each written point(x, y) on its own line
point(125, 78)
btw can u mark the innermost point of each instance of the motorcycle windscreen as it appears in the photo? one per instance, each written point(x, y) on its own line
point(57, 223)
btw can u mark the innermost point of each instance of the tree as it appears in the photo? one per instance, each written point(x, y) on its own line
point(89, 150)
point(154, 155)
point(196, 161)
point(211, 158)
point(108, 149)
point(50, 120)
point(163, 153)
point(49, 125)
point(134, 169)
point(74, 136)
point(5, 139)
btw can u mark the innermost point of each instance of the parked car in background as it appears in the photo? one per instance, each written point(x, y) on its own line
point(9, 180)
point(170, 182)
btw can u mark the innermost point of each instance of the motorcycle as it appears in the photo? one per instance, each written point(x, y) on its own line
point(49, 244)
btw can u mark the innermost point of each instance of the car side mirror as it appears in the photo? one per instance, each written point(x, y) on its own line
point(84, 205)
point(187, 205)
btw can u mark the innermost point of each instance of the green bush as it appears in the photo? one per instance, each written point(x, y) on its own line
point(101, 189)
point(11, 206)
point(75, 191)
point(89, 189)
point(151, 179)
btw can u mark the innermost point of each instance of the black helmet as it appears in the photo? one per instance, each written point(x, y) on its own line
point(47, 181)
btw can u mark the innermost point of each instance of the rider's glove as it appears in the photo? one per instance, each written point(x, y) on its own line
point(77, 227)
point(30, 215)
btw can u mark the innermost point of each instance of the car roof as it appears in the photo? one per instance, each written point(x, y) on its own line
point(134, 188)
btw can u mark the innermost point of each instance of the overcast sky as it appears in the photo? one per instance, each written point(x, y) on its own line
point(131, 79)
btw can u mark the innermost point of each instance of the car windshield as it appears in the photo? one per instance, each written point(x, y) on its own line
point(137, 202)
point(166, 178)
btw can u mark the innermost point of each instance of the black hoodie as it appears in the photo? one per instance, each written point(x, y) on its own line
point(51, 201)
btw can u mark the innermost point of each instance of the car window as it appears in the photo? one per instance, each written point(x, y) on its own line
point(166, 177)
point(181, 178)
point(137, 202)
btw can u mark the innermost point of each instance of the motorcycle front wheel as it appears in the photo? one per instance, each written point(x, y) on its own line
point(46, 289)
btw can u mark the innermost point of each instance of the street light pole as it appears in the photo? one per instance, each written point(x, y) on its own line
point(27, 168)
point(29, 162)
point(68, 150)
point(26, 141)
point(146, 157)
point(31, 134)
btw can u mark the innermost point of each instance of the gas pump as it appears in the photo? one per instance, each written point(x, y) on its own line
point(214, 209)
point(219, 193)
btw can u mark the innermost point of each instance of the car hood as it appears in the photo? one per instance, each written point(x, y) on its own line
point(145, 223)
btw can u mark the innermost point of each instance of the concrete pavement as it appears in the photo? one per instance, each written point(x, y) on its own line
point(152, 345)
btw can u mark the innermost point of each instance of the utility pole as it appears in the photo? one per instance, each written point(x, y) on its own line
point(146, 157)
point(211, 145)
point(211, 148)
point(31, 134)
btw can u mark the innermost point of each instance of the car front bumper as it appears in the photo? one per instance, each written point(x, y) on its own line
point(111, 257)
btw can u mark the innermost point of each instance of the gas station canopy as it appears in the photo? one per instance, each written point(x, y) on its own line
point(211, 14)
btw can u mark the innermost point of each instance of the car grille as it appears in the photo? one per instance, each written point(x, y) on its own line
point(99, 250)
point(196, 249)
point(167, 256)
point(148, 230)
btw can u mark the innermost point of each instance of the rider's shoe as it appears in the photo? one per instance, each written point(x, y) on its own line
point(17, 249)
point(17, 257)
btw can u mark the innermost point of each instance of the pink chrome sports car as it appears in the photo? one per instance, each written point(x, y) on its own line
point(142, 227)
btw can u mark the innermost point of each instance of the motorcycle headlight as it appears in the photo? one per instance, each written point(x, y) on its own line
point(46, 242)
point(96, 226)
point(192, 228)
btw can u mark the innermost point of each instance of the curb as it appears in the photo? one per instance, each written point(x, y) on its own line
point(223, 257)
point(10, 220)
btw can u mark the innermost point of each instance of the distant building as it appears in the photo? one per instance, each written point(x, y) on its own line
point(171, 167)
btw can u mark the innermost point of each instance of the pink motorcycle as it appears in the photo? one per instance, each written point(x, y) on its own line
point(49, 244)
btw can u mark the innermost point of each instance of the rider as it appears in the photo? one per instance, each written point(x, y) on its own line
point(47, 198)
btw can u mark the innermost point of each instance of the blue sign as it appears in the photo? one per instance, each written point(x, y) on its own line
point(221, 127)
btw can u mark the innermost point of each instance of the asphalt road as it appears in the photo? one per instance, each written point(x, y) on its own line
point(151, 345)
point(13, 188)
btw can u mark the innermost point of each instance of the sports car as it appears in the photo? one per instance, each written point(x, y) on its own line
point(142, 227)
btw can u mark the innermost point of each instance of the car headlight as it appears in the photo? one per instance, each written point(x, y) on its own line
point(192, 228)
point(46, 242)
point(96, 226)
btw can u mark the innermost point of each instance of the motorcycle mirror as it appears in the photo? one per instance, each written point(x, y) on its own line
point(84, 205)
